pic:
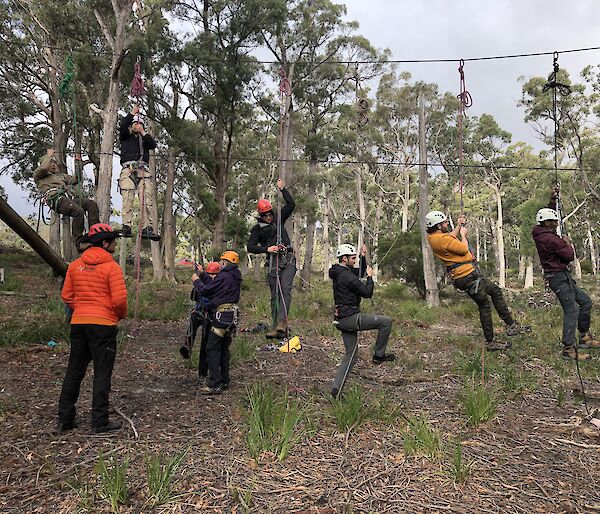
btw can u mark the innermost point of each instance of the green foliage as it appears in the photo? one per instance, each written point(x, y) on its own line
point(242, 350)
point(460, 469)
point(112, 477)
point(402, 258)
point(422, 438)
point(160, 472)
point(352, 409)
point(479, 403)
point(34, 331)
point(157, 302)
point(272, 417)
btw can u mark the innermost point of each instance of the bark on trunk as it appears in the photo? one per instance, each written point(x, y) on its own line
point(362, 211)
point(375, 245)
point(431, 289)
point(521, 266)
point(528, 273)
point(169, 226)
point(500, 239)
point(326, 244)
point(477, 243)
point(405, 197)
point(310, 223)
point(592, 246)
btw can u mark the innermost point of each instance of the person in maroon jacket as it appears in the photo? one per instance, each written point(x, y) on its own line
point(556, 253)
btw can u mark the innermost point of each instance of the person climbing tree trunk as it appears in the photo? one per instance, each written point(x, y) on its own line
point(431, 289)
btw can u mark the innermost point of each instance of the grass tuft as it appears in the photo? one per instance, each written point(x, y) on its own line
point(479, 403)
point(112, 478)
point(422, 438)
point(159, 476)
point(272, 418)
point(460, 469)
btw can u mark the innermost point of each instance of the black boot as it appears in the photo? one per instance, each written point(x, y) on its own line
point(111, 426)
point(148, 233)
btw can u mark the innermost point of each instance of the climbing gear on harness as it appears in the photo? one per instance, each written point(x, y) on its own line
point(137, 84)
point(264, 206)
point(345, 249)
point(452, 267)
point(293, 345)
point(546, 215)
point(148, 233)
point(225, 319)
point(432, 218)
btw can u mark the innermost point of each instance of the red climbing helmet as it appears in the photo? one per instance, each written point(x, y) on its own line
point(213, 267)
point(264, 206)
point(100, 232)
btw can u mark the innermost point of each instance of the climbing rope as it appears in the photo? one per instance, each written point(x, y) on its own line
point(564, 89)
point(465, 101)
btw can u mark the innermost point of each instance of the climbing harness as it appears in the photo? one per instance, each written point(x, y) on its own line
point(465, 101)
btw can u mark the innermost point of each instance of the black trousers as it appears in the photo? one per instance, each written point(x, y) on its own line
point(201, 322)
point(75, 208)
point(97, 343)
point(481, 294)
point(279, 311)
point(576, 305)
point(217, 356)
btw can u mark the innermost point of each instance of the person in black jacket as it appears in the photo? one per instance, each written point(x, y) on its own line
point(348, 290)
point(135, 173)
point(281, 263)
point(222, 293)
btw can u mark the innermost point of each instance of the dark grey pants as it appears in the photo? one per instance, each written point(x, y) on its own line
point(286, 280)
point(576, 304)
point(481, 294)
point(350, 326)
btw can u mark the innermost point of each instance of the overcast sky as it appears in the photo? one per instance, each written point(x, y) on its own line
point(444, 29)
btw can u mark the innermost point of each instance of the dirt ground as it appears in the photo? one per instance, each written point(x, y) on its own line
point(533, 456)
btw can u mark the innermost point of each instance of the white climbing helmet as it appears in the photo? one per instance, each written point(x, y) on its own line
point(345, 249)
point(545, 215)
point(434, 217)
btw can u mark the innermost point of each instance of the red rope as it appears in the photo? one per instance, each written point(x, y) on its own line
point(465, 101)
point(137, 84)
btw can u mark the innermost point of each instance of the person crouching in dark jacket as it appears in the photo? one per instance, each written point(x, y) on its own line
point(348, 290)
point(556, 253)
point(222, 294)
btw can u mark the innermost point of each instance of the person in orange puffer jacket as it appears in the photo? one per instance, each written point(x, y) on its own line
point(95, 291)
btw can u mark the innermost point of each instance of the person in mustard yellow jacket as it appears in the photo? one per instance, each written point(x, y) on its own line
point(95, 291)
point(462, 266)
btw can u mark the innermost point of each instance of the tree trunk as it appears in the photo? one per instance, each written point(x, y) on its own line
point(311, 217)
point(326, 244)
point(485, 247)
point(500, 239)
point(495, 242)
point(593, 255)
point(477, 243)
point(521, 266)
point(169, 225)
point(406, 197)
point(431, 289)
point(119, 43)
point(362, 212)
point(375, 244)
point(576, 266)
point(528, 273)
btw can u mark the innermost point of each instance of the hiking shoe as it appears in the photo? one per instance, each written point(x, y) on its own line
point(495, 346)
point(66, 427)
point(111, 426)
point(587, 340)
point(516, 328)
point(212, 390)
point(126, 231)
point(387, 357)
point(279, 331)
point(570, 353)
